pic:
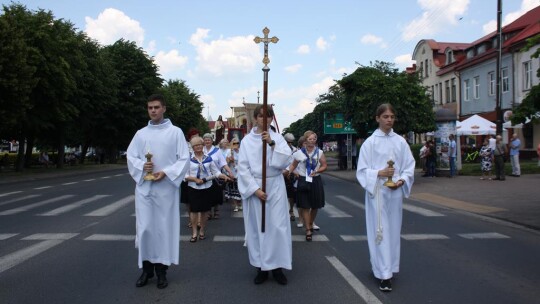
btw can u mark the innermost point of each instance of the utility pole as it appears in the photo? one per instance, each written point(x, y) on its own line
point(498, 110)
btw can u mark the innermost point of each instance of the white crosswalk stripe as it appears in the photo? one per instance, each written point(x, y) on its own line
point(334, 212)
point(35, 205)
point(9, 193)
point(19, 256)
point(107, 210)
point(22, 198)
point(5, 236)
point(72, 206)
point(351, 201)
point(485, 235)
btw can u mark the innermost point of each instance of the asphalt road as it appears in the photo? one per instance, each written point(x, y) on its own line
point(70, 239)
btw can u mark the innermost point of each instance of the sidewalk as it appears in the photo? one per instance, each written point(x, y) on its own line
point(514, 200)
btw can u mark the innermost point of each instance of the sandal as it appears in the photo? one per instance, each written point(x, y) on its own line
point(216, 215)
point(309, 237)
point(189, 225)
point(202, 237)
point(193, 239)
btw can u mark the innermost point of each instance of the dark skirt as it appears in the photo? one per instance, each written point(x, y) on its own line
point(312, 199)
point(217, 193)
point(199, 200)
point(184, 192)
point(289, 185)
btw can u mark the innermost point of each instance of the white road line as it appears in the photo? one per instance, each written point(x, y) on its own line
point(5, 236)
point(44, 187)
point(226, 238)
point(105, 177)
point(422, 237)
point(32, 206)
point(9, 193)
point(107, 210)
point(351, 201)
point(89, 180)
point(19, 199)
point(332, 211)
point(358, 287)
point(486, 235)
point(421, 211)
point(316, 238)
point(237, 214)
point(295, 238)
point(50, 236)
point(119, 174)
point(17, 257)
point(70, 183)
point(353, 238)
point(75, 205)
point(110, 237)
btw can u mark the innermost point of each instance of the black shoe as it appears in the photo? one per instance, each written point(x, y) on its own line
point(279, 276)
point(386, 285)
point(496, 178)
point(261, 277)
point(143, 279)
point(162, 281)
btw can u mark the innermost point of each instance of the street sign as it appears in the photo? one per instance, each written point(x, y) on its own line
point(336, 124)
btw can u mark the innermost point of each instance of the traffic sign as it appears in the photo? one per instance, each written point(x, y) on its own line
point(336, 124)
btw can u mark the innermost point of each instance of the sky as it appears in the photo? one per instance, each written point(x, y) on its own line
point(209, 43)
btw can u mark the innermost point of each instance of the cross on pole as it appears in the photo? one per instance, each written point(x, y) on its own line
point(266, 40)
point(265, 69)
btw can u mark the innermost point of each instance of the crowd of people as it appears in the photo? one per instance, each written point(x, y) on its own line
point(264, 171)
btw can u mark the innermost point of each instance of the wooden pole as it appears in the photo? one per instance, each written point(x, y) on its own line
point(265, 69)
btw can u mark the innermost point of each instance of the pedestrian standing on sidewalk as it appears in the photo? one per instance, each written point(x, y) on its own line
point(515, 145)
point(499, 154)
point(486, 159)
point(157, 201)
point(452, 153)
point(384, 204)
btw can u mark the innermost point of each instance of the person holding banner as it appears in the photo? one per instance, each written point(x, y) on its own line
point(268, 239)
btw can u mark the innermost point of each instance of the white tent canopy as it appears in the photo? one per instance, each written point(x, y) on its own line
point(475, 125)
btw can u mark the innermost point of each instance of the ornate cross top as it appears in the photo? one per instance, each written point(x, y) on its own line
point(266, 40)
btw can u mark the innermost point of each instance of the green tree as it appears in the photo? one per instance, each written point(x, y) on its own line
point(368, 87)
point(183, 106)
point(530, 106)
point(137, 78)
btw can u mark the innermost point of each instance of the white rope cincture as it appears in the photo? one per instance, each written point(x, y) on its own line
point(379, 237)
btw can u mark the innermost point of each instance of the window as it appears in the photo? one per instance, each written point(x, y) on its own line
point(432, 95)
point(449, 57)
point(467, 90)
point(436, 93)
point(527, 75)
point(440, 93)
point(447, 91)
point(426, 67)
point(492, 83)
point(454, 89)
point(505, 82)
point(421, 69)
point(476, 84)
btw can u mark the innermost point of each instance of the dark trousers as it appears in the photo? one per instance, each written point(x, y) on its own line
point(149, 267)
point(499, 166)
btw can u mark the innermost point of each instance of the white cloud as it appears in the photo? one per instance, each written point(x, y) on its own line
point(170, 61)
point(437, 15)
point(225, 55)
point(526, 5)
point(293, 68)
point(321, 44)
point(303, 49)
point(111, 25)
point(403, 61)
point(374, 40)
point(370, 39)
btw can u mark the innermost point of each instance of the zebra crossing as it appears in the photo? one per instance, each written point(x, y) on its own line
point(36, 204)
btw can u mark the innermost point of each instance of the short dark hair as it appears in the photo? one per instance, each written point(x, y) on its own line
point(269, 111)
point(157, 97)
point(383, 107)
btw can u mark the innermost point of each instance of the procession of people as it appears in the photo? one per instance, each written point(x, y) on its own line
point(265, 172)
